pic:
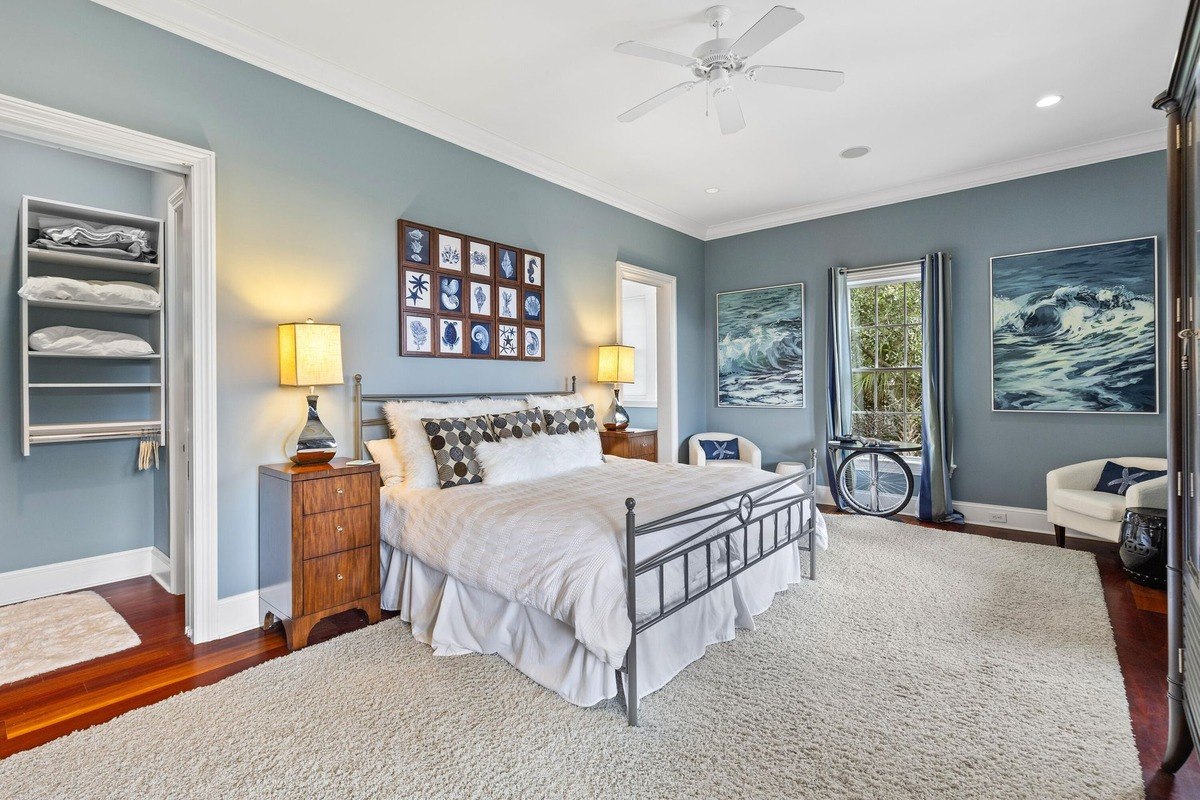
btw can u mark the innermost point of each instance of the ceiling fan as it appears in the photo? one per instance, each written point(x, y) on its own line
point(718, 60)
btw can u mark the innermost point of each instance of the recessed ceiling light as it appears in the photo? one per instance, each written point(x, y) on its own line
point(712, 190)
point(1049, 100)
point(855, 152)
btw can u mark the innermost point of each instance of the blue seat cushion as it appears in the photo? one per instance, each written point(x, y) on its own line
point(720, 449)
point(1116, 479)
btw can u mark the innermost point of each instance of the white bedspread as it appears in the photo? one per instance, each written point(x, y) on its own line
point(558, 545)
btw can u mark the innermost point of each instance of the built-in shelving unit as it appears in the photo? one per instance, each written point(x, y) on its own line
point(42, 373)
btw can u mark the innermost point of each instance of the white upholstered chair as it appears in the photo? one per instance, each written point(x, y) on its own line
point(747, 450)
point(1072, 501)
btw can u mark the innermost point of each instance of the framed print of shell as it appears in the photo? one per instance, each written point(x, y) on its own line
point(1075, 329)
point(463, 296)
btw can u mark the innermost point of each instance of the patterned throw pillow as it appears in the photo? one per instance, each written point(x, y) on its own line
point(721, 449)
point(453, 443)
point(516, 424)
point(1116, 479)
point(571, 420)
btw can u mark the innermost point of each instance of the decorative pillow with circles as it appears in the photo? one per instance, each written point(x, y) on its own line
point(453, 443)
point(516, 424)
point(571, 420)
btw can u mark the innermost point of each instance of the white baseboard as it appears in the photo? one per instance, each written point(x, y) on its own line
point(1012, 518)
point(236, 614)
point(67, 576)
point(160, 568)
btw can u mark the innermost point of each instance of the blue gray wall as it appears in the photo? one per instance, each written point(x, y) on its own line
point(1002, 457)
point(309, 189)
point(71, 500)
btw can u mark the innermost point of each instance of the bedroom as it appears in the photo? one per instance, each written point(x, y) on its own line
point(306, 141)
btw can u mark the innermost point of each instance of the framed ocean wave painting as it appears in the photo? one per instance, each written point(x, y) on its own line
point(1075, 329)
point(760, 347)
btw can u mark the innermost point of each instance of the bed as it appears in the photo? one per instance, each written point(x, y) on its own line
point(534, 571)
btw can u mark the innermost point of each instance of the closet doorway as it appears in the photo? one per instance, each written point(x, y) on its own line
point(646, 319)
point(184, 199)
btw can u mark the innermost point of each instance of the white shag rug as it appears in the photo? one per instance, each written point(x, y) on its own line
point(921, 664)
point(51, 632)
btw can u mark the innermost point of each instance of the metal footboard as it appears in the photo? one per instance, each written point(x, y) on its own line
point(766, 519)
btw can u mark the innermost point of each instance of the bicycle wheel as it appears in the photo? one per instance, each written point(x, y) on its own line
point(876, 484)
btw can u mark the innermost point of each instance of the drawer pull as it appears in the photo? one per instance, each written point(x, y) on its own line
point(340, 529)
point(340, 490)
point(339, 576)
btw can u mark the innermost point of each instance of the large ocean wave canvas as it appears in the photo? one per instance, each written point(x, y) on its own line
point(1075, 329)
point(760, 347)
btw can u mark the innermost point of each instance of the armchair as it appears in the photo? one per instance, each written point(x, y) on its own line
point(747, 450)
point(1072, 501)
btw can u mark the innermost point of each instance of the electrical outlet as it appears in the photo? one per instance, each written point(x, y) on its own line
point(997, 516)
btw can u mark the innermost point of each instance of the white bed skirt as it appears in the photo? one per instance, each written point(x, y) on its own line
point(454, 619)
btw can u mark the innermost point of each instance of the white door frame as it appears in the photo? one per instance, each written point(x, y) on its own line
point(49, 126)
point(667, 335)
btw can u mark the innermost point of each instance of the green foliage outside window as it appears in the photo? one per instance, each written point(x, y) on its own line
point(885, 360)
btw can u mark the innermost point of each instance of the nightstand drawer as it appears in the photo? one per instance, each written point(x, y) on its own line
point(334, 531)
point(330, 494)
point(339, 578)
point(642, 446)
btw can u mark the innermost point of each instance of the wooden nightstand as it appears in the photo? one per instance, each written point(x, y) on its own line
point(631, 443)
point(318, 544)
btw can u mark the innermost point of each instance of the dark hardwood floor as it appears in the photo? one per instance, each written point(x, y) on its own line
point(45, 707)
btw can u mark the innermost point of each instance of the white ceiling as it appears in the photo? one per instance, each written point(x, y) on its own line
point(943, 91)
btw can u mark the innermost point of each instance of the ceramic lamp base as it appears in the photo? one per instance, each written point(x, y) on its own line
point(312, 443)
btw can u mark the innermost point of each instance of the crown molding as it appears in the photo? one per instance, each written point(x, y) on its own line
point(1095, 152)
point(232, 38)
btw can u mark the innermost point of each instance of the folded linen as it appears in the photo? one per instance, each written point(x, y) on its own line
point(64, 231)
point(115, 293)
point(88, 342)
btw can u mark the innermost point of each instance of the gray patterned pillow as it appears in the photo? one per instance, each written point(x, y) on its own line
point(571, 420)
point(516, 424)
point(453, 443)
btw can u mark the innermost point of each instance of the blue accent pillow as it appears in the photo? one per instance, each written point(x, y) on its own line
point(720, 449)
point(1116, 479)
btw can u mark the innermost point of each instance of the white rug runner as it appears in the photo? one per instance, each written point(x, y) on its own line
point(43, 635)
point(922, 664)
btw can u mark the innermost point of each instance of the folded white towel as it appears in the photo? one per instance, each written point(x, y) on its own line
point(88, 342)
point(112, 293)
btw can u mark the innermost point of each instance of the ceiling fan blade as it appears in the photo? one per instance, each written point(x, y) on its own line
point(656, 53)
point(729, 110)
point(775, 23)
point(824, 80)
point(656, 101)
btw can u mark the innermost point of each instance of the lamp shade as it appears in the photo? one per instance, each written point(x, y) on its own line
point(310, 354)
point(616, 364)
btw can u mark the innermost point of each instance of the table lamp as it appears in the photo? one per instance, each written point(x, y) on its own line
point(616, 367)
point(310, 354)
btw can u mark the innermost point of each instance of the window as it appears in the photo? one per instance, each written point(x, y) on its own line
point(885, 354)
point(639, 329)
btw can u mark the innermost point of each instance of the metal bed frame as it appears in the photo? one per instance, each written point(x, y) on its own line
point(764, 512)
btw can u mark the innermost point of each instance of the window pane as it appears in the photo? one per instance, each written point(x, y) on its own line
point(910, 428)
point(891, 303)
point(914, 345)
point(912, 293)
point(913, 381)
point(891, 391)
point(891, 346)
point(863, 386)
point(862, 306)
point(862, 349)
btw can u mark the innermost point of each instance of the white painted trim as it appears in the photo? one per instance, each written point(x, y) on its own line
point(220, 33)
point(232, 38)
point(667, 312)
point(1032, 520)
point(68, 576)
point(44, 125)
point(160, 568)
point(236, 614)
point(1120, 147)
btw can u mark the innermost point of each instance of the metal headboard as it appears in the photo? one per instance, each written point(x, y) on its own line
point(361, 423)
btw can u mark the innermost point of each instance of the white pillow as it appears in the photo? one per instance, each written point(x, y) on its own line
point(555, 402)
point(386, 453)
point(416, 458)
point(513, 460)
point(115, 293)
point(88, 342)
